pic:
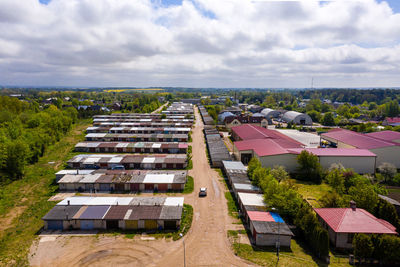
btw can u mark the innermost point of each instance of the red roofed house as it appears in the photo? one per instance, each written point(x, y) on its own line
point(386, 151)
point(343, 223)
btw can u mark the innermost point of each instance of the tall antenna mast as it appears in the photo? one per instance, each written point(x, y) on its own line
point(312, 82)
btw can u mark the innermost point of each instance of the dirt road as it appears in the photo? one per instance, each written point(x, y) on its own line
point(160, 108)
point(206, 243)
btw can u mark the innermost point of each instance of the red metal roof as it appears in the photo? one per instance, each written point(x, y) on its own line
point(342, 152)
point(386, 135)
point(262, 147)
point(357, 140)
point(260, 216)
point(347, 220)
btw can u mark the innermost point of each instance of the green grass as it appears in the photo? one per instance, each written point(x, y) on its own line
point(189, 186)
point(312, 192)
point(296, 255)
point(28, 197)
point(232, 207)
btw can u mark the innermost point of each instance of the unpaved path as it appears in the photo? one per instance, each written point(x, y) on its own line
point(160, 108)
point(206, 243)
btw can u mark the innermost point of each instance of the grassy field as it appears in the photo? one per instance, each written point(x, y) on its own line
point(133, 90)
point(24, 202)
point(312, 192)
point(297, 255)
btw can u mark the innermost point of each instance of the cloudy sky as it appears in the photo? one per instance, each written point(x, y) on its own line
point(200, 43)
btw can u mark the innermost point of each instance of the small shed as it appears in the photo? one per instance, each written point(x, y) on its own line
point(268, 228)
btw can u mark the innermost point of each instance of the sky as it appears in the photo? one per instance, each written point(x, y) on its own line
point(200, 43)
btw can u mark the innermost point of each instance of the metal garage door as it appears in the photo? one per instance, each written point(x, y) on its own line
point(104, 187)
point(119, 187)
point(150, 224)
point(55, 225)
point(176, 187)
point(169, 225)
point(131, 224)
point(135, 187)
point(112, 224)
point(149, 187)
point(87, 224)
point(162, 187)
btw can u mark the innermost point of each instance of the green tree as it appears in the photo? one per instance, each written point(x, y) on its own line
point(328, 119)
point(392, 108)
point(254, 163)
point(310, 169)
point(17, 153)
point(279, 173)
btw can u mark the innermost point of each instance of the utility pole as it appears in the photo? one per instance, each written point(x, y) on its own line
point(184, 250)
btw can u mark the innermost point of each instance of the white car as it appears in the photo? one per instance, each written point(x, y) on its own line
point(203, 192)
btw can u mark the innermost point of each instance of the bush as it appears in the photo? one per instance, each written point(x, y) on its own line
point(388, 171)
point(363, 246)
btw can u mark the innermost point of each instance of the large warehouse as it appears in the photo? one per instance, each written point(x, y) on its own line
point(297, 118)
point(274, 148)
point(385, 151)
point(88, 213)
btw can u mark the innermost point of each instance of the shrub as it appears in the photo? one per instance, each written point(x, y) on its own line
point(363, 246)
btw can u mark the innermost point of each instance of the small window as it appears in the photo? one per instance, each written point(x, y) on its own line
point(350, 238)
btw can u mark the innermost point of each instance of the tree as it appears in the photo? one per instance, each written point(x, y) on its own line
point(363, 246)
point(335, 179)
point(254, 163)
point(17, 153)
point(388, 170)
point(328, 119)
point(364, 195)
point(392, 108)
point(310, 169)
point(228, 102)
point(279, 173)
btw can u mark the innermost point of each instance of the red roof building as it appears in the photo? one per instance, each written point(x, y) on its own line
point(274, 148)
point(391, 136)
point(343, 223)
point(378, 143)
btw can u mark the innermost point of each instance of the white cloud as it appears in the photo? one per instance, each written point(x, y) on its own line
point(203, 43)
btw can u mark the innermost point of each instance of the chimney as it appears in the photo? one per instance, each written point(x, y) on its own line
point(68, 202)
point(353, 205)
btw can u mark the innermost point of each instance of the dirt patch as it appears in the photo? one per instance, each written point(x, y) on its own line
point(6, 221)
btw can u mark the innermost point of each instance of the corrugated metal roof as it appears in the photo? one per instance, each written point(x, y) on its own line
point(250, 199)
point(386, 135)
point(174, 201)
point(171, 213)
point(158, 179)
point(357, 140)
point(94, 213)
point(271, 228)
point(116, 213)
point(61, 212)
point(233, 165)
point(145, 212)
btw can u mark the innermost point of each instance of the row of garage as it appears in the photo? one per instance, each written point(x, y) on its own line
point(124, 181)
point(119, 213)
point(266, 227)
